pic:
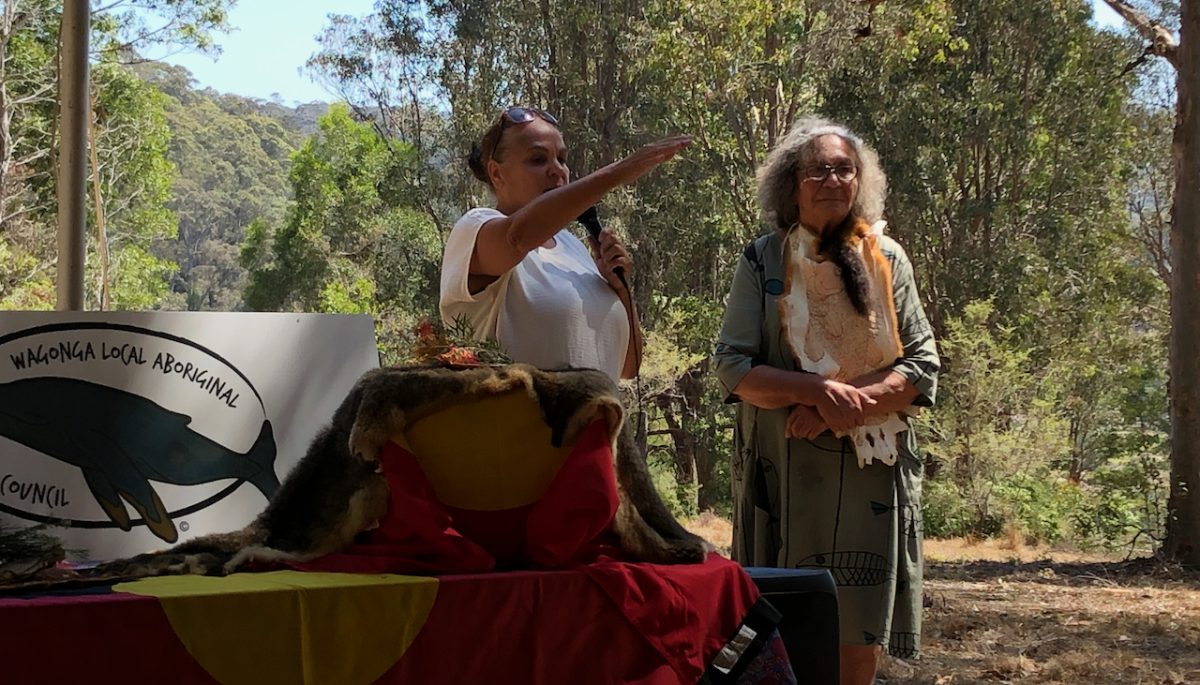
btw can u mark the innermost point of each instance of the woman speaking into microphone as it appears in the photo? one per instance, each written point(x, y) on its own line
point(520, 277)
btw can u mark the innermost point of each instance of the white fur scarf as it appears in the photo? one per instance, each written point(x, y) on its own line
point(827, 336)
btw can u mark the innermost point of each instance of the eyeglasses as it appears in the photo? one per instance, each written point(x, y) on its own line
point(819, 173)
point(520, 115)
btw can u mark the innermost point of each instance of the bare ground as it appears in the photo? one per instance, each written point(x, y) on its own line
point(1000, 612)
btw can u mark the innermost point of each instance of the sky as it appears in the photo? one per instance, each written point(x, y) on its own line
point(273, 38)
point(271, 41)
point(1104, 15)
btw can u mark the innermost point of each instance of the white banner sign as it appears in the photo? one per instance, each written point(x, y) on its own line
point(129, 431)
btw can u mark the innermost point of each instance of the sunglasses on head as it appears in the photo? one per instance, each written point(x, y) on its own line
point(516, 116)
point(524, 115)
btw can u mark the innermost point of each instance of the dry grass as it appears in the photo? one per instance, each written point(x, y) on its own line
point(1037, 616)
point(1009, 548)
point(713, 528)
point(1004, 612)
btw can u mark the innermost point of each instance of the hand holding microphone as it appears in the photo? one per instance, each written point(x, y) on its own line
point(612, 259)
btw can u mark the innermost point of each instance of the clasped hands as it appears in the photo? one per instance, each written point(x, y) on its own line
point(839, 407)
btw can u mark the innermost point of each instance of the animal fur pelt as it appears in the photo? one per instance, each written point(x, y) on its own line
point(839, 320)
point(337, 491)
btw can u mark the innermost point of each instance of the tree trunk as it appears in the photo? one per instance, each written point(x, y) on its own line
point(1076, 434)
point(691, 389)
point(641, 427)
point(1183, 518)
point(8, 162)
point(685, 445)
point(98, 200)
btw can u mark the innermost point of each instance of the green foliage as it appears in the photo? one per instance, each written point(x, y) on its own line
point(155, 24)
point(135, 185)
point(140, 279)
point(233, 156)
point(663, 362)
point(997, 418)
point(130, 184)
point(1064, 454)
point(982, 135)
point(31, 548)
point(680, 498)
point(947, 514)
point(1126, 504)
point(350, 243)
point(1041, 505)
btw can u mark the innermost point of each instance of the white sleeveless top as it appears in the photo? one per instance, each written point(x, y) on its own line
point(551, 310)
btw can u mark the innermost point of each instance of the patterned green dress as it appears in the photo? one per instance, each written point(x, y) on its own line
point(806, 503)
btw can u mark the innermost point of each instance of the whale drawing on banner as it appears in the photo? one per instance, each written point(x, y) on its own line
point(114, 410)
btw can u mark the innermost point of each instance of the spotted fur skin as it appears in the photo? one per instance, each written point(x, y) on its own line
point(336, 491)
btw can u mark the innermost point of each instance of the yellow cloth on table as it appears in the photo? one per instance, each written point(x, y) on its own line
point(291, 626)
point(489, 454)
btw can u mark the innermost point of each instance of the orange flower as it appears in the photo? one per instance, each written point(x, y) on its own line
point(459, 356)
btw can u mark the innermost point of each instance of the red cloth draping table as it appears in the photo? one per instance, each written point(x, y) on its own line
point(577, 626)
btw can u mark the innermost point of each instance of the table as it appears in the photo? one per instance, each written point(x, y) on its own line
point(606, 622)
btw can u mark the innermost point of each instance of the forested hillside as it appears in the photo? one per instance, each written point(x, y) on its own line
point(231, 155)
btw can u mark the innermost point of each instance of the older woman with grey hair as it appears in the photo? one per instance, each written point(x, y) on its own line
point(828, 351)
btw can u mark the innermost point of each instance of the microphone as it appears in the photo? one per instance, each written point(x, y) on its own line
point(591, 221)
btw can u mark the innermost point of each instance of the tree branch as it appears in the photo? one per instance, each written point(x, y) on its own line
point(1162, 41)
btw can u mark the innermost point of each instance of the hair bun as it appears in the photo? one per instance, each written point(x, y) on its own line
point(476, 164)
